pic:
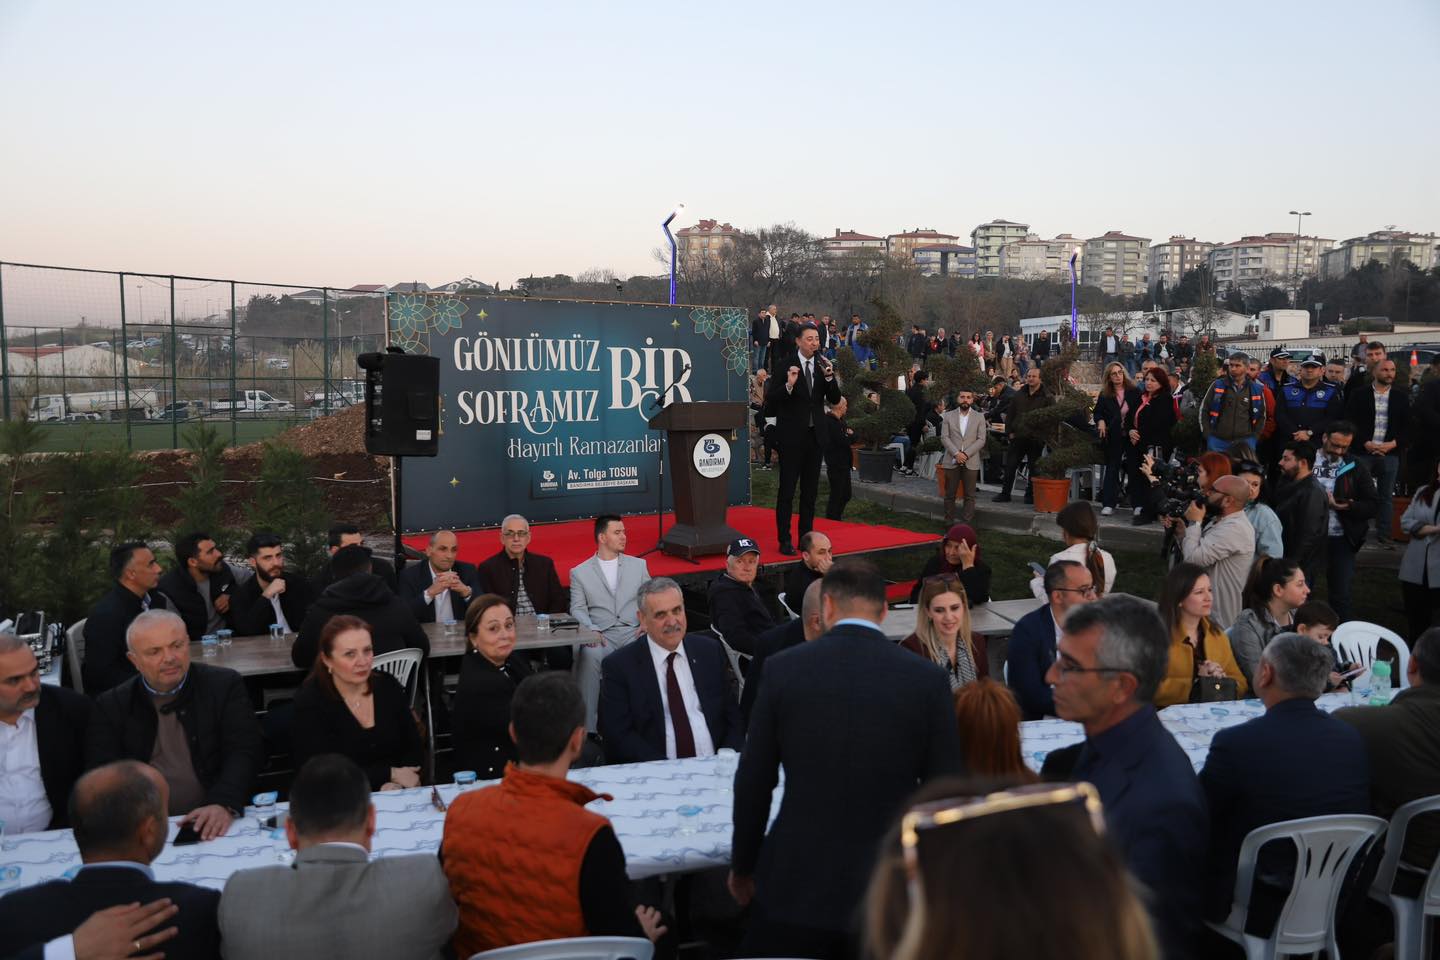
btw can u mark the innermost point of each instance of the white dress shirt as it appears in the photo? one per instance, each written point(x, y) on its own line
point(280, 620)
point(443, 613)
point(23, 804)
point(704, 746)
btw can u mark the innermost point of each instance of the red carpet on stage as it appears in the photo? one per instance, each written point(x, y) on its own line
point(573, 542)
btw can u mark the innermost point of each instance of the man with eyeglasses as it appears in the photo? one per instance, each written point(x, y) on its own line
point(1112, 654)
point(1032, 646)
point(528, 582)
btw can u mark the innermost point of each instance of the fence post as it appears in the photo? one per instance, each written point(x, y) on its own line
point(174, 373)
point(234, 354)
point(124, 346)
point(325, 346)
point(4, 347)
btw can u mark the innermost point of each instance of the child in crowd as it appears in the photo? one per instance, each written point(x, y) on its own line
point(1315, 619)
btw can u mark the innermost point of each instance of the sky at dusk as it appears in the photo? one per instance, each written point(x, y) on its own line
point(336, 144)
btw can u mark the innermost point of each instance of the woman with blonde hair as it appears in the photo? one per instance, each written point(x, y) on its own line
point(1118, 396)
point(942, 630)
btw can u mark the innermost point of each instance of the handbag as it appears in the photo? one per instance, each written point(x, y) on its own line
point(1214, 690)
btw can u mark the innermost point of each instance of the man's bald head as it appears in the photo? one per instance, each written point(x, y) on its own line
point(810, 611)
point(1233, 487)
point(118, 812)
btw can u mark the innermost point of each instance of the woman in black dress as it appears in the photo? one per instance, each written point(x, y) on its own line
point(1118, 396)
point(489, 674)
point(1148, 427)
point(346, 706)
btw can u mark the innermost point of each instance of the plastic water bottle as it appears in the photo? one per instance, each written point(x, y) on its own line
point(209, 645)
point(542, 623)
point(1380, 689)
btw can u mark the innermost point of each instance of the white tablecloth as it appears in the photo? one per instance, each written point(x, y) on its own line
point(1193, 725)
point(645, 813)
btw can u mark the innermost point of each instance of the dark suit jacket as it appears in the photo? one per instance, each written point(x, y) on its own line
point(632, 713)
point(1156, 815)
point(858, 724)
point(219, 722)
point(62, 722)
point(254, 614)
point(415, 580)
point(738, 613)
point(1360, 410)
point(480, 716)
point(1032, 651)
point(105, 664)
point(789, 634)
point(38, 914)
point(542, 583)
point(1293, 761)
point(184, 598)
point(799, 413)
point(1402, 742)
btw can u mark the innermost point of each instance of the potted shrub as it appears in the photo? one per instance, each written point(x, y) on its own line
point(878, 409)
point(1065, 428)
point(1186, 433)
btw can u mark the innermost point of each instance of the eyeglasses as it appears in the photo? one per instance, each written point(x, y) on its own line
point(515, 534)
point(1086, 591)
point(927, 818)
point(1068, 667)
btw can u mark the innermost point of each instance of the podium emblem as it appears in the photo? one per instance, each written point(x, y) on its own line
point(712, 455)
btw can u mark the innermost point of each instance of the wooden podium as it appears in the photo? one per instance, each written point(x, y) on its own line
point(702, 454)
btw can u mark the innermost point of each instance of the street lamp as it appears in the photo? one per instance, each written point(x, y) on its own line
point(1299, 218)
point(1074, 315)
point(678, 211)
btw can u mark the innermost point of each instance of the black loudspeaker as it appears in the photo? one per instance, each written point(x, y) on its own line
point(402, 404)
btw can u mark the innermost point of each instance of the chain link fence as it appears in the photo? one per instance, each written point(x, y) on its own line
point(131, 358)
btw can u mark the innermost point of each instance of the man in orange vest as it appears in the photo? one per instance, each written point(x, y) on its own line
point(526, 861)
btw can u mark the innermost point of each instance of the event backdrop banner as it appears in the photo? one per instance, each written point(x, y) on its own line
point(544, 403)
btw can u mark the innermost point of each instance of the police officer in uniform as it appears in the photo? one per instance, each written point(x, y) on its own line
point(1305, 407)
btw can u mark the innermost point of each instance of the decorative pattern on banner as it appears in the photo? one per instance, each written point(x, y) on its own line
point(545, 403)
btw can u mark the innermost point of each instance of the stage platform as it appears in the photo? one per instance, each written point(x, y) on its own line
point(572, 542)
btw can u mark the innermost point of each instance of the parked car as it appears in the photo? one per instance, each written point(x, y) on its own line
point(82, 417)
point(277, 363)
point(181, 410)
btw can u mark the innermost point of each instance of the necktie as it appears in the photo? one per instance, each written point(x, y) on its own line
point(809, 376)
point(679, 719)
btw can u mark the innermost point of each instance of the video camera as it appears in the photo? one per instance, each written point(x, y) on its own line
point(1179, 487)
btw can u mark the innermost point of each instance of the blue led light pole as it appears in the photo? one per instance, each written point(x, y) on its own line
point(679, 209)
point(1074, 315)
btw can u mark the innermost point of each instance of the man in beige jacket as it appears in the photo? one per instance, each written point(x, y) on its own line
point(962, 432)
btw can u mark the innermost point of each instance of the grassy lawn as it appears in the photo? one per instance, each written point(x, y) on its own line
point(150, 434)
point(1376, 591)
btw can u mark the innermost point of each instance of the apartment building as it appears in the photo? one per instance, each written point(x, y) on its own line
point(705, 243)
point(848, 243)
point(1172, 259)
point(902, 246)
point(945, 260)
point(988, 238)
point(1116, 263)
point(1389, 246)
point(1271, 258)
point(1036, 258)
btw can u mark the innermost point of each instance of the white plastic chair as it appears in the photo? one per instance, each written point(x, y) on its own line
point(575, 948)
point(1412, 939)
point(786, 607)
point(401, 665)
point(1358, 642)
point(1324, 848)
point(737, 660)
point(75, 653)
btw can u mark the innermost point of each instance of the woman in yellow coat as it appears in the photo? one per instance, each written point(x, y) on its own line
point(1198, 648)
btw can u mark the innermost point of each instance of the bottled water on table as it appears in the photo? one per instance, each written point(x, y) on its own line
point(1380, 684)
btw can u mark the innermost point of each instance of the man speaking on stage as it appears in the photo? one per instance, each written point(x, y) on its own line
point(797, 402)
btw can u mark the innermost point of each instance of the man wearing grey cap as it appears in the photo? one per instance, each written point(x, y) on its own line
point(736, 610)
point(1305, 407)
point(1234, 407)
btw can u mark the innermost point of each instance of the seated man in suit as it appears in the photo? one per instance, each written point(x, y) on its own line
point(118, 815)
point(349, 535)
point(201, 586)
point(191, 722)
point(528, 582)
point(1294, 761)
point(736, 609)
point(136, 574)
point(849, 715)
point(1112, 655)
point(602, 598)
point(334, 900)
point(792, 633)
point(438, 590)
point(667, 697)
point(815, 560)
point(42, 742)
point(526, 860)
point(273, 595)
point(1068, 584)
point(359, 593)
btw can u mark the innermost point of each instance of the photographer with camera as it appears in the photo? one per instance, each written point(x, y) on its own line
point(1224, 548)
